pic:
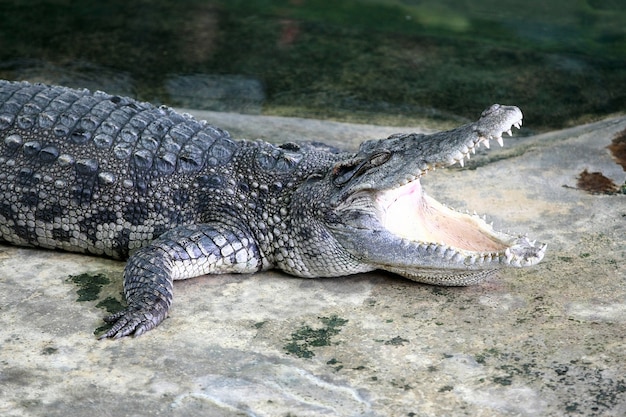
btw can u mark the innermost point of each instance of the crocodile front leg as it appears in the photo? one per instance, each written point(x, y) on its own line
point(184, 252)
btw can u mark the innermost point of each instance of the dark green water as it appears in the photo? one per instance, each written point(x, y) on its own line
point(562, 61)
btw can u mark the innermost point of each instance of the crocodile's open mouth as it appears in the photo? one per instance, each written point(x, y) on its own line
point(409, 213)
point(388, 222)
point(422, 222)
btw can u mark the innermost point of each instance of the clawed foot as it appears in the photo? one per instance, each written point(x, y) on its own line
point(132, 321)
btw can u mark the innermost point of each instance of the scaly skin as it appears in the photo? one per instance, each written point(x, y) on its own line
point(93, 173)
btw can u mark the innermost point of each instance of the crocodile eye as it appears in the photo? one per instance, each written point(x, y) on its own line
point(379, 158)
point(347, 170)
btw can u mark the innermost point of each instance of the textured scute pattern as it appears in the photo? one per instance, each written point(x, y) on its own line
point(97, 173)
point(107, 175)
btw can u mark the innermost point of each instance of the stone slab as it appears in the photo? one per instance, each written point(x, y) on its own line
point(546, 341)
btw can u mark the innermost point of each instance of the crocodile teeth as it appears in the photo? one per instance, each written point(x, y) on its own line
point(486, 143)
point(500, 141)
point(509, 132)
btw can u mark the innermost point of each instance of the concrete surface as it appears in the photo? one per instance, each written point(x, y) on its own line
point(545, 341)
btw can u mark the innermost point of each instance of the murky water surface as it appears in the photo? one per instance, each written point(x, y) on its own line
point(379, 61)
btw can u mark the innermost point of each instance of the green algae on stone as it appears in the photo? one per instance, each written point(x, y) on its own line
point(89, 285)
point(111, 305)
point(306, 337)
point(396, 341)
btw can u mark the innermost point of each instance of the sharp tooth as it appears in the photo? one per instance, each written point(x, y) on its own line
point(508, 255)
point(461, 162)
point(474, 151)
point(467, 155)
point(500, 141)
point(509, 132)
point(486, 143)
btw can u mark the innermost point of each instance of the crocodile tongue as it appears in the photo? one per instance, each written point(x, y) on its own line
point(409, 213)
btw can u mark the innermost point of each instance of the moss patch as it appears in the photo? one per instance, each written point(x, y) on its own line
point(111, 305)
point(307, 337)
point(602, 391)
point(89, 285)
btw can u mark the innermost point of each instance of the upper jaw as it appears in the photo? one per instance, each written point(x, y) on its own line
point(414, 155)
point(488, 128)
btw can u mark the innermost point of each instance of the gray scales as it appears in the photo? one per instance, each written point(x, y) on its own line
point(179, 198)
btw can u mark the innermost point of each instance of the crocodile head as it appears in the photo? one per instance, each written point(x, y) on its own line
point(379, 213)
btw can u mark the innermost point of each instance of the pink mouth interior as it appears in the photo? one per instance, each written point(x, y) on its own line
point(411, 214)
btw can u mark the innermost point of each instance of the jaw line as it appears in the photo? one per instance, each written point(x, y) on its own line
point(410, 215)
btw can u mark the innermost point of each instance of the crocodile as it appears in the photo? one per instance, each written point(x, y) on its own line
point(178, 198)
